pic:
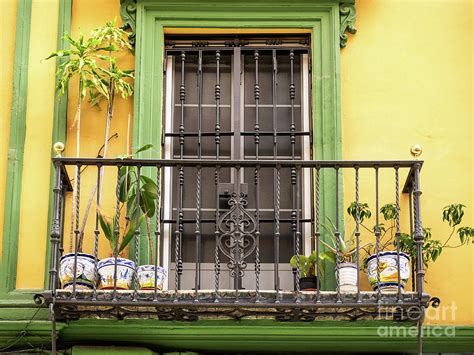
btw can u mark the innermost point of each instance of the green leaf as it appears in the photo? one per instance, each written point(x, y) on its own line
point(147, 204)
point(109, 230)
point(328, 256)
point(144, 148)
point(130, 233)
point(453, 214)
point(364, 211)
point(389, 211)
point(125, 182)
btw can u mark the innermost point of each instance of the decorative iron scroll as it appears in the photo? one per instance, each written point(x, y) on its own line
point(237, 234)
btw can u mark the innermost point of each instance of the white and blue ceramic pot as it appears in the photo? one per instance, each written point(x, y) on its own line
point(84, 271)
point(125, 272)
point(347, 273)
point(146, 277)
point(388, 266)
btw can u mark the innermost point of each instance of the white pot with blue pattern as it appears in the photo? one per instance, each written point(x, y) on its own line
point(125, 272)
point(146, 277)
point(84, 274)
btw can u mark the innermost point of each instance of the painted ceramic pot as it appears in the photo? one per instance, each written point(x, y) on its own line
point(84, 271)
point(388, 271)
point(146, 277)
point(125, 272)
point(347, 277)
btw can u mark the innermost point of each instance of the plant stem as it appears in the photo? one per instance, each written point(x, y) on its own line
point(78, 145)
point(86, 215)
point(446, 242)
point(150, 243)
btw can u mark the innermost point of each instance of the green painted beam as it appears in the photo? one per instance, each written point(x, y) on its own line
point(19, 335)
point(11, 205)
point(245, 335)
point(116, 350)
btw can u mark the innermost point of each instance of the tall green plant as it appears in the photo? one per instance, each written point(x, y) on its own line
point(137, 200)
point(116, 80)
point(115, 40)
point(80, 61)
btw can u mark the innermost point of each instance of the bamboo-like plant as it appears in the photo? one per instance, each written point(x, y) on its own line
point(80, 61)
point(114, 39)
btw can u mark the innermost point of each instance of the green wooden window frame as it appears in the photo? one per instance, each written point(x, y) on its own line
point(328, 21)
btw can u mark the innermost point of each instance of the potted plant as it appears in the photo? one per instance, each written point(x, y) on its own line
point(114, 40)
point(136, 216)
point(345, 251)
point(82, 60)
point(78, 61)
point(148, 273)
point(125, 267)
point(307, 264)
point(382, 266)
point(431, 250)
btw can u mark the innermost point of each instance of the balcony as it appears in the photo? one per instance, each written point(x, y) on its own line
point(225, 230)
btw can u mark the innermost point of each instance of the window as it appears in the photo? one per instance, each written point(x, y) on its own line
point(235, 99)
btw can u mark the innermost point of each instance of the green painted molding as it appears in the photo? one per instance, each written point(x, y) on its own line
point(347, 19)
point(59, 117)
point(240, 336)
point(128, 13)
point(11, 206)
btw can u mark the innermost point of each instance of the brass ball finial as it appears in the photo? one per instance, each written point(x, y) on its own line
point(58, 148)
point(416, 150)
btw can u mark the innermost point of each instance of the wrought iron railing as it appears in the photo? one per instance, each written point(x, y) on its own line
point(236, 243)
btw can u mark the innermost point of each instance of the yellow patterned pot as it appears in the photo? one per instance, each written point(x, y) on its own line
point(146, 277)
point(388, 266)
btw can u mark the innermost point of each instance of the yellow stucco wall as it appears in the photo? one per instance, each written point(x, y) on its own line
point(7, 40)
point(36, 165)
point(407, 78)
